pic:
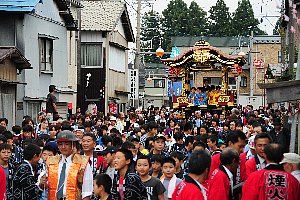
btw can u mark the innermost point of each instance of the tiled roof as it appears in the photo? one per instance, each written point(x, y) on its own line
point(18, 5)
point(101, 15)
point(16, 56)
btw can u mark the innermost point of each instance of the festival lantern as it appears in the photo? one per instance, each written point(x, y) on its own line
point(159, 52)
point(236, 70)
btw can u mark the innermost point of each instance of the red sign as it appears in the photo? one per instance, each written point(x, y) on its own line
point(258, 63)
point(113, 108)
point(236, 70)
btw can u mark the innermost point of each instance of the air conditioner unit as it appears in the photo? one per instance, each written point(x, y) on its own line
point(232, 87)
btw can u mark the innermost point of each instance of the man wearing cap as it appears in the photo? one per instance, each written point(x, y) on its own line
point(113, 123)
point(258, 162)
point(272, 182)
point(291, 164)
point(70, 176)
point(109, 156)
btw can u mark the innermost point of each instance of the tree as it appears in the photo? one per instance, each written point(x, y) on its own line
point(278, 29)
point(220, 20)
point(243, 21)
point(197, 21)
point(175, 22)
point(150, 35)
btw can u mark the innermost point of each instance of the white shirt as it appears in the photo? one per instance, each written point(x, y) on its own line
point(230, 178)
point(262, 162)
point(202, 189)
point(296, 174)
point(249, 155)
point(87, 185)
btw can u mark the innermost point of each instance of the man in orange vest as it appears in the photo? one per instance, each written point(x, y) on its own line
point(70, 176)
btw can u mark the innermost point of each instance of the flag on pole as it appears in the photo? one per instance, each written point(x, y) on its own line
point(175, 52)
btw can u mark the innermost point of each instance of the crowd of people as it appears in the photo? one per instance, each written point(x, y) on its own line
point(152, 154)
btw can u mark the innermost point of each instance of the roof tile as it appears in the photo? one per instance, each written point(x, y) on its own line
point(101, 15)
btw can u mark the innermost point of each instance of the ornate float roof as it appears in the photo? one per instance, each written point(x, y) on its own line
point(202, 56)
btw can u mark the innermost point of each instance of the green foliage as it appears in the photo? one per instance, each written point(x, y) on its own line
point(150, 35)
point(243, 21)
point(175, 21)
point(277, 28)
point(220, 20)
point(197, 21)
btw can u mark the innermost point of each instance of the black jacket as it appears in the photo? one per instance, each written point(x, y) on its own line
point(134, 188)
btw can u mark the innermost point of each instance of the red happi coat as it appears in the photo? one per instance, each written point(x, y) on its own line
point(187, 190)
point(219, 185)
point(216, 162)
point(271, 183)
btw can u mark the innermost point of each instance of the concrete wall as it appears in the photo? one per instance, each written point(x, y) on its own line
point(48, 22)
point(267, 52)
point(37, 83)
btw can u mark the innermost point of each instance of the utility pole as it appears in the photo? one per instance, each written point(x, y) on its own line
point(251, 64)
point(137, 60)
point(291, 44)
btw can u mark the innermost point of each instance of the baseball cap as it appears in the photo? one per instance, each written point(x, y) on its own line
point(113, 118)
point(133, 138)
point(159, 136)
point(290, 158)
point(109, 149)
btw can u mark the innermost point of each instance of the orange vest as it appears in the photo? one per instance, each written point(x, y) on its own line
point(74, 180)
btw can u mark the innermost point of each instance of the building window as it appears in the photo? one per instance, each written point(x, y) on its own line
point(46, 54)
point(231, 81)
point(213, 80)
point(279, 57)
point(243, 82)
point(91, 54)
point(155, 83)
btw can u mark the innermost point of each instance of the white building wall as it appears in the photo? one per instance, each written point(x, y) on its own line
point(93, 36)
point(37, 83)
point(120, 28)
point(255, 101)
point(117, 59)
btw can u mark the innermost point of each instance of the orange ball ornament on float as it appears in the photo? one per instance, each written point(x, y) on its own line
point(159, 52)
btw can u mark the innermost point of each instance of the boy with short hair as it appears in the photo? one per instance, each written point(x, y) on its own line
point(109, 156)
point(179, 158)
point(158, 145)
point(127, 185)
point(102, 186)
point(8, 167)
point(155, 188)
point(169, 179)
point(156, 163)
point(212, 141)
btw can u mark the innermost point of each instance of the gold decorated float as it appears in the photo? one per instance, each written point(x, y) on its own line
point(203, 57)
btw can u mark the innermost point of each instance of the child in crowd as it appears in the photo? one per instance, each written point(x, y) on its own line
point(156, 161)
point(179, 158)
point(127, 185)
point(48, 150)
point(169, 179)
point(109, 156)
point(155, 188)
point(102, 186)
point(212, 141)
point(8, 167)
